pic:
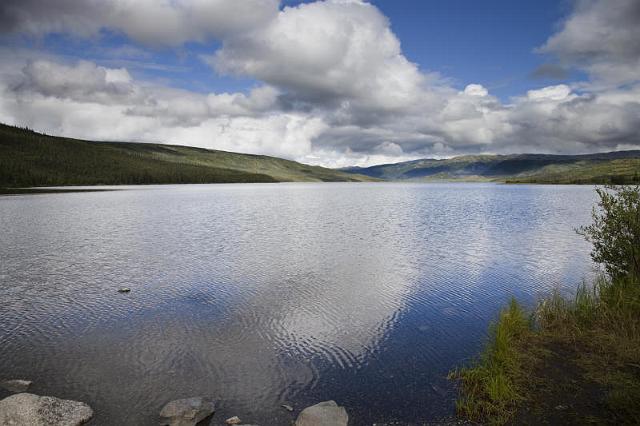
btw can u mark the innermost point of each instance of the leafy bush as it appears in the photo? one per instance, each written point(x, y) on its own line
point(615, 231)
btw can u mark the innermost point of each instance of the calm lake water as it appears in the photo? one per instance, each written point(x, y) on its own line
point(269, 294)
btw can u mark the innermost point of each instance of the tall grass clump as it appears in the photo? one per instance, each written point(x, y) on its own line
point(489, 389)
point(602, 325)
point(611, 305)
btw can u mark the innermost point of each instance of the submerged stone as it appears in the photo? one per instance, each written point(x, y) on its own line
point(326, 413)
point(34, 410)
point(16, 385)
point(186, 412)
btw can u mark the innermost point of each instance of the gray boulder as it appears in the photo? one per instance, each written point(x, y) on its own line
point(186, 412)
point(326, 413)
point(16, 385)
point(28, 409)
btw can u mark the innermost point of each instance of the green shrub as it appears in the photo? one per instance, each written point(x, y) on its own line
point(615, 231)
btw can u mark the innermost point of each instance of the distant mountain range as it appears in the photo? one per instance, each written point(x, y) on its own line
point(30, 159)
point(611, 167)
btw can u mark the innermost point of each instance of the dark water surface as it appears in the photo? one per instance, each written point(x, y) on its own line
point(261, 295)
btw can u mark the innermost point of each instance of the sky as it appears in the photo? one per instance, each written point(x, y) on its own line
point(335, 82)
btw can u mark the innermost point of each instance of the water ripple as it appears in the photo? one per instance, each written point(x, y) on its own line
point(261, 295)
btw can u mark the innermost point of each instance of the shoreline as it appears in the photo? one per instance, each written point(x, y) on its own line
point(47, 190)
point(119, 187)
point(569, 360)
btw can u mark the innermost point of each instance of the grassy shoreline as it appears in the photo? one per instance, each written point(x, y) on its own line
point(569, 360)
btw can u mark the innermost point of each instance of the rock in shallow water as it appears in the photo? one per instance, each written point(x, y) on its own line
point(33, 410)
point(16, 385)
point(186, 412)
point(235, 420)
point(326, 413)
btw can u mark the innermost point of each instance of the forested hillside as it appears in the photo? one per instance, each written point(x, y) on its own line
point(28, 159)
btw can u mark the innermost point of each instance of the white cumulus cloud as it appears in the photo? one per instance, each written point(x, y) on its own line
point(333, 85)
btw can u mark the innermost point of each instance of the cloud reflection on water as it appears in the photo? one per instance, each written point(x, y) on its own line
point(264, 294)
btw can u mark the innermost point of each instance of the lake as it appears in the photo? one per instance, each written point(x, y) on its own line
point(268, 294)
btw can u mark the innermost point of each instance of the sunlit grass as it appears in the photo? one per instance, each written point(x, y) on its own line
point(489, 389)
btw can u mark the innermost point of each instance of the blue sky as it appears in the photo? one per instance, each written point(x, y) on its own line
point(331, 82)
point(488, 42)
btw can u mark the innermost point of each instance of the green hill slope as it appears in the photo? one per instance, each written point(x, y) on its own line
point(28, 158)
point(612, 167)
